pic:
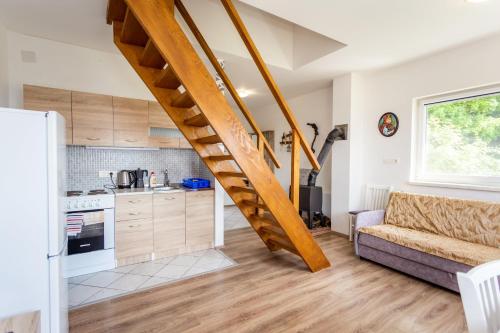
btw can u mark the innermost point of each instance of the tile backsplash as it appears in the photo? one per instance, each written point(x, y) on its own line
point(83, 165)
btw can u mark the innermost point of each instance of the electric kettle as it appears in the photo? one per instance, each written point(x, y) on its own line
point(125, 179)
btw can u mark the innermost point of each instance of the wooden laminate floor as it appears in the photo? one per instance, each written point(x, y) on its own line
point(274, 292)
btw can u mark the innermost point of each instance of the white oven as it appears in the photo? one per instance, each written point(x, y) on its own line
point(90, 223)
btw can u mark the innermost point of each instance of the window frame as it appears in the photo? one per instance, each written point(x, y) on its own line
point(417, 174)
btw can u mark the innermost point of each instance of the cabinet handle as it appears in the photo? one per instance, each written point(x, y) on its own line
point(93, 139)
point(130, 140)
point(134, 214)
point(134, 225)
point(170, 198)
point(134, 201)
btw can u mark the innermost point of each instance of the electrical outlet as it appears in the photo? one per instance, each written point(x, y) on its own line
point(105, 174)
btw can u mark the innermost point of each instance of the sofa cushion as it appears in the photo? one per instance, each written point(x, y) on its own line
point(445, 247)
point(472, 221)
point(385, 246)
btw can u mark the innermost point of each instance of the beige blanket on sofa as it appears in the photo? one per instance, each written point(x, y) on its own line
point(466, 231)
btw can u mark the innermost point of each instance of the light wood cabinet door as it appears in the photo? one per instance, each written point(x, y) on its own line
point(130, 114)
point(133, 207)
point(92, 110)
point(92, 136)
point(184, 144)
point(23, 323)
point(163, 142)
point(69, 135)
point(169, 222)
point(48, 99)
point(133, 238)
point(130, 122)
point(200, 218)
point(158, 117)
point(129, 138)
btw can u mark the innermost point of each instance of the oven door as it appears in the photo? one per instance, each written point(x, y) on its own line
point(86, 231)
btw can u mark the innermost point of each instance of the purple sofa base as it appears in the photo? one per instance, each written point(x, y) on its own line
point(422, 265)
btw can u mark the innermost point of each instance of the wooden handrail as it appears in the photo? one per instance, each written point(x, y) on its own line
point(227, 82)
point(252, 49)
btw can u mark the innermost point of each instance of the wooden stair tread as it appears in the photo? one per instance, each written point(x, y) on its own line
point(183, 101)
point(151, 57)
point(231, 174)
point(212, 139)
point(167, 79)
point(285, 244)
point(254, 204)
point(197, 121)
point(243, 189)
point(221, 158)
point(132, 31)
point(116, 11)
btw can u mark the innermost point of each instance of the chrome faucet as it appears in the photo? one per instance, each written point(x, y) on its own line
point(166, 181)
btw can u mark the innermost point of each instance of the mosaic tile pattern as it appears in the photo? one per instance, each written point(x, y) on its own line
point(97, 287)
point(83, 165)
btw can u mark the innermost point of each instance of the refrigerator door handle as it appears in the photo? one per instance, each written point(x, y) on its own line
point(61, 252)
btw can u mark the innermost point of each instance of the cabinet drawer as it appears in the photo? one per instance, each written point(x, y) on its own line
point(133, 207)
point(199, 217)
point(163, 142)
point(133, 238)
point(169, 221)
point(125, 138)
point(92, 136)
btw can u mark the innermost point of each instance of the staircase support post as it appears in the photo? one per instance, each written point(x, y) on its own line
point(295, 181)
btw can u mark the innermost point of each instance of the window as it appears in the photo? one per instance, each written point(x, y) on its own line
point(458, 139)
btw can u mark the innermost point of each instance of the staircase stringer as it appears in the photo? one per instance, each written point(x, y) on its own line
point(176, 49)
point(164, 97)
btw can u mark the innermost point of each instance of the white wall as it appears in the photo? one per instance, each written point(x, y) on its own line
point(394, 89)
point(4, 76)
point(312, 107)
point(60, 65)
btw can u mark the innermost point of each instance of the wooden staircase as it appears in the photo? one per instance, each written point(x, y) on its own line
point(150, 38)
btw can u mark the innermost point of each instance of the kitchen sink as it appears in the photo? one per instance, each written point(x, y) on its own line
point(165, 188)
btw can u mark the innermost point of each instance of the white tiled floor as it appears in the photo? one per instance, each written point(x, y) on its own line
point(96, 287)
point(233, 219)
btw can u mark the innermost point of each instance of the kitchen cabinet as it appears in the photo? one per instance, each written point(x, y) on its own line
point(199, 219)
point(131, 125)
point(163, 142)
point(184, 143)
point(133, 228)
point(92, 119)
point(169, 223)
point(49, 99)
point(158, 117)
point(133, 240)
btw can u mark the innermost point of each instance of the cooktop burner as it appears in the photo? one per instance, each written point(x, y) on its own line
point(95, 192)
point(81, 193)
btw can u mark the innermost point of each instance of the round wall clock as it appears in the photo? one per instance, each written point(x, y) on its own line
point(388, 124)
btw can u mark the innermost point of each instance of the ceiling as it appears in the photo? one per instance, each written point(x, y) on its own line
point(377, 34)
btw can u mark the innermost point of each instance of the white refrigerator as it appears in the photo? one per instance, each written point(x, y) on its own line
point(32, 225)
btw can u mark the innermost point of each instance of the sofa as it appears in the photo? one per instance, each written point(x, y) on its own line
point(430, 237)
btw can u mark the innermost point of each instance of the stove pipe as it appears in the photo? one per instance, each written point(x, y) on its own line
point(335, 135)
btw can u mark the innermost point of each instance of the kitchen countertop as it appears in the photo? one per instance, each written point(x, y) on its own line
point(148, 190)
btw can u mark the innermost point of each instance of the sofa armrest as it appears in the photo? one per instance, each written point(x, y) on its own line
point(366, 219)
